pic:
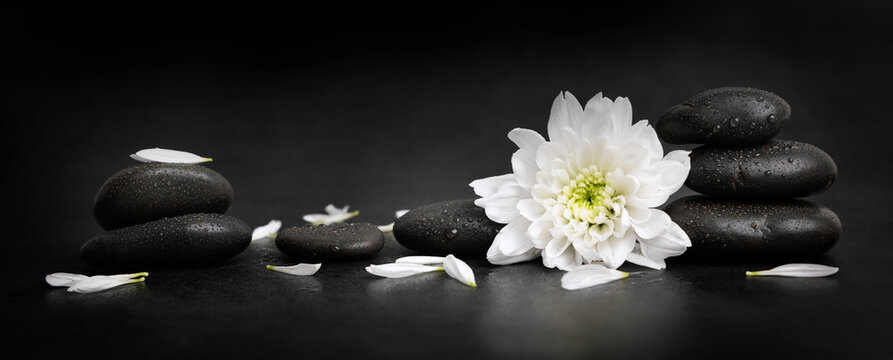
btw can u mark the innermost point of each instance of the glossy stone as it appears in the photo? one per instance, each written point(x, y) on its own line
point(152, 191)
point(182, 241)
point(336, 242)
point(777, 228)
point(456, 227)
point(725, 116)
point(779, 168)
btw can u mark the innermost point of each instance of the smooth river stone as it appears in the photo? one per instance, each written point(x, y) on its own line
point(336, 242)
point(761, 229)
point(153, 191)
point(779, 168)
point(457, 227)
point(725, 116)
point(182, 241)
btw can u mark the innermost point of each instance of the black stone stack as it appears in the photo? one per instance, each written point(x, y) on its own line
point(163, 216)
point(750, 181)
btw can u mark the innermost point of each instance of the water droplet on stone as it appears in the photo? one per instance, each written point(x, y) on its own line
point(335, 248)
point(771, 118)
point(733, 122)
point(790, 160)
point(715, 112)
point(759, 99)
point(451, 233)
point(768, 173)
point(708, 103)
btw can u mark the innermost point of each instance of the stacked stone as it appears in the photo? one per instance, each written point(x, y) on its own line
point(162, 215)
point(750, 181)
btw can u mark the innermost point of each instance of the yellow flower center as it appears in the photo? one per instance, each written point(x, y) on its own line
point(588, 198)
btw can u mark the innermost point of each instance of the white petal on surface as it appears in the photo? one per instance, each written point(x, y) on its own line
point(168, 156)
point(104, 282)
point(399, 270)
point(797, 270)
point(299, 269)
point(459, 270)
point(590, 275)
point(64, 279)
point(526, 139)
point(268, 230)
point(332, 210)
point(422, 260)
point(386, 228)
point(488, 186)
point(400, 213)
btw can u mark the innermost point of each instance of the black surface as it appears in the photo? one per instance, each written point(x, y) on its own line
point(387, 112)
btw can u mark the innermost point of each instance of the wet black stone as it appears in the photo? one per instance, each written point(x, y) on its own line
point(725, 116)
point(336, 242)
point(153, 191)
point(779, 168)
point(761, 229)
point(456, 227)
point(182, 241)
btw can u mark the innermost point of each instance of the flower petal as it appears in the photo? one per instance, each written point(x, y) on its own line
point(637, 258)
point(269, 230)
point(104, 282)
point(168, 156)
point(488, 186)
point(566, 113)
point(422, 260)
point(524, 167)
point(512, 240)
point(797, 270)
point(459, 270)
point(400, 213)
point(615, 250)
point(656, 224)
point(399, 270)
point(672, 242)
point(332, 215)
point(386, 228)
point(502, 206)
point(526, 139)
point(64, 279)
point(590, 275)
point(299, 269)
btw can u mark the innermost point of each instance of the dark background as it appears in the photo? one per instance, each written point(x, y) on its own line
point(390, 108)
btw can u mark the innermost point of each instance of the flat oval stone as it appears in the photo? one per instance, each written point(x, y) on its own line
point(457, 227)
point(779, 168)
point(182, 241)
point(725, 116)
point(153, 191)
point(336, 242)
point(771, 228)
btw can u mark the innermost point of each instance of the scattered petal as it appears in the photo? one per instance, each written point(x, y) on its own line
point(299, 269)
point(386, 228)
point(168, 156)
point(459, 270)
point(399, 270)
point(267, 231)
point(64, 279)
point(422, 260)
point(104, 282)
point(797, 270)
point(590, 275)
point(400, 213)
point(332, 215)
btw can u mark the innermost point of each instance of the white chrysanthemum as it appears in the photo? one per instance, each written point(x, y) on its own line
point(588, 193)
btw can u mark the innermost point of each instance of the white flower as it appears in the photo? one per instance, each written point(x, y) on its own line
point(269, 230)
point(399, 270)
point(332, 215)
point(588, 193)
point(168, 156)
point(390, 227)
point(299, 269)
point(590, 275)
point(797, 270)
point(89, 284)
point(459, 270)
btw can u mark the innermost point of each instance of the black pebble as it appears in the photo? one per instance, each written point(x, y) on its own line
point(753, 230)
point(725, 116)
point(456, 227)
point(779, 168)
point(153, 191)
point(182, 241)
point(336, 242)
